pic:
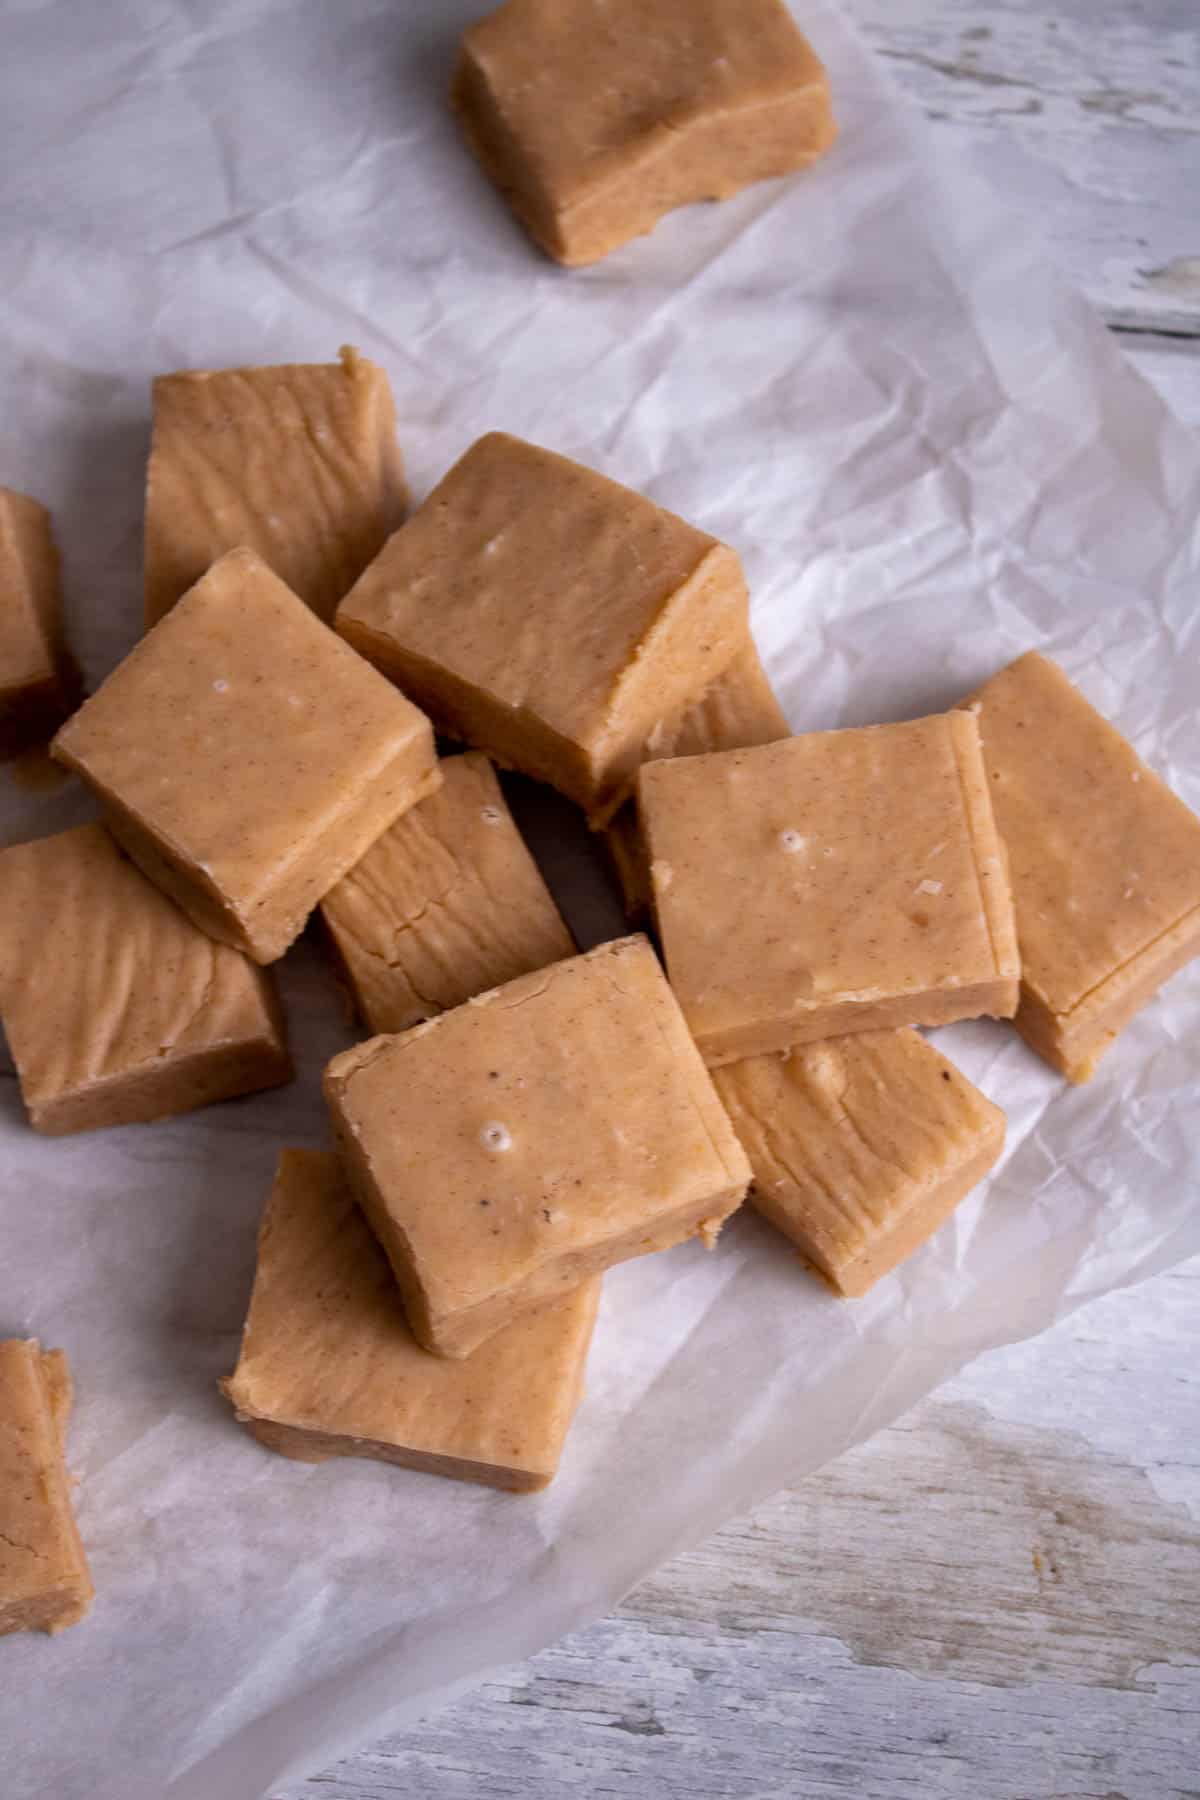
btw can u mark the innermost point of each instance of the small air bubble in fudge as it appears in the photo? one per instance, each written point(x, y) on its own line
point(491, 815)
point(792, 842)
point(496, 1136)
point(220, 687)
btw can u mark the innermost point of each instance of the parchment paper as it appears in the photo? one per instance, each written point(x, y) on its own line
point(930, 456)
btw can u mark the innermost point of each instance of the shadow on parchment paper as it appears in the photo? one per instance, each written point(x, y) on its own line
point(98, 526)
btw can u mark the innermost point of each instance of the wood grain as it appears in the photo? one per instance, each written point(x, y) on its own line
point(1000, 1596)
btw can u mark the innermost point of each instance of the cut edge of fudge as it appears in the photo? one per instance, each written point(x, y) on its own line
point(991, 863)
point(458, 1333)
point(33, 706)
point(852, 1263)
point(705, 156)
point(68, 1599)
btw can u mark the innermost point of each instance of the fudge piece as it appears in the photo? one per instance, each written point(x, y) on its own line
point(299, 462)
point(445, 904)
point(861, 1146)
point(246, 758)
point(548, 616)
point(597, 117)
point(839, 881)
point(1105, 863)
point(117, 1008)
point(44, 1579)
point(39, 683)
point(328, 1366)
point(738, 710)
point(532, 1137)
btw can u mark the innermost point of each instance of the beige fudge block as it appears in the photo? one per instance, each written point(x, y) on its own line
point(446, 904)
point(738, 710)
point(1105, 863)
point(839, 881)
point(548, 616)
point(596, 118)
point(508, 1150)
point(44, 1579)
point(39, 684)
point(861, 1147)
point(246, 758)
point(328, 1366)
point(299, 462)
point(117, 1007)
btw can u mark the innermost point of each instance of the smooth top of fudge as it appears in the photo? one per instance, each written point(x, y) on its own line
point(240, 730)
point(1104, 857)
point(534, 579)
point(848, 1136)
point(584, 86)
point(29, 628)
point(326, 1347)
point(446, 904)
point(101, 976)
point(299, 462)
point(44, 1581)
point(538, 1120)
point(839, 865)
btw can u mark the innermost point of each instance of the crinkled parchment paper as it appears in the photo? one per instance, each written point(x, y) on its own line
point(931, 457)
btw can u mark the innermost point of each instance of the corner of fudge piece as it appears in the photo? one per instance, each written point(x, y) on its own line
point(45, 1584)
point(838, 881)
point(328, 1366)
point(861, 1147)
point(297, 461)
point(452, 1138)
point(118, 1009)
point(1105, 862)
point(40, 684)
point(592, 146)
point(246, 758)
point(446, 904)
point(548, 616)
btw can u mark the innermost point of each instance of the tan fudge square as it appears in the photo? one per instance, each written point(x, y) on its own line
point(861, 1147)
point(328, 1366)
point(507, 1150)
point(117, 1008)
point(44, 1579)
point(738, 710)
point(1105, 863)
point(446, 904)
point(840, 881)
point(39, 684)
point(246, 758)
point(548, 616)
point(299, 462)
point(596, 118)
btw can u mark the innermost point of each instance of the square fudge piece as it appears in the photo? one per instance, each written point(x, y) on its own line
point(840, 881)
point(39, 684)
point(246, 758)
point(446, 904)
point(507, 1150)
point(328, 1366)
point(738, 710)
point(1105, 863)
point(44, 1579)
point(548, 616)
point(861, 1147)
point(118, 1009)
point(299, 462)
point(596, 118)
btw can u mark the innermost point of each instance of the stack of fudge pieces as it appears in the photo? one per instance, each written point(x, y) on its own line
point(524, 1117)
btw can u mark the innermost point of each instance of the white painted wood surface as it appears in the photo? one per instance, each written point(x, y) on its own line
point(999, 1597)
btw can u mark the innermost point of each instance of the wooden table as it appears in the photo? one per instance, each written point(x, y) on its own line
point(1000, 1596)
